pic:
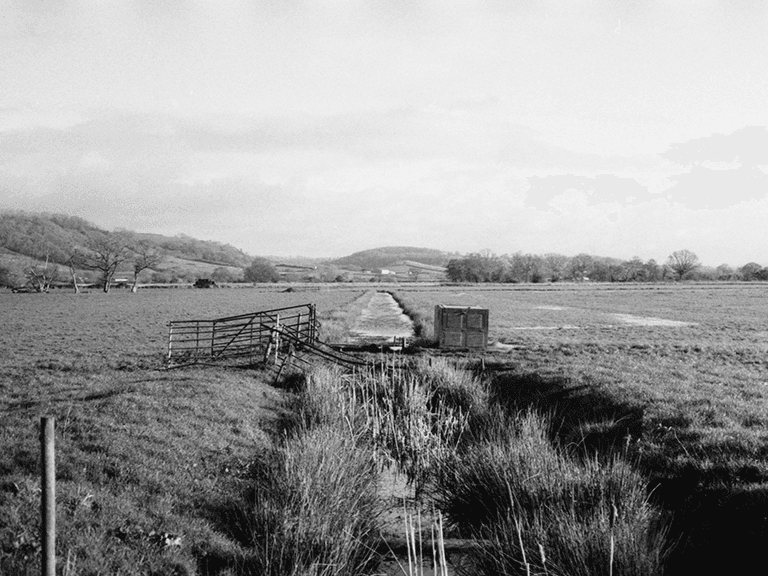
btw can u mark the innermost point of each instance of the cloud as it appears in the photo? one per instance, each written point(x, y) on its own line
point(721, 170)
point(18, 119)
point(706, 188)
point(598, 189)
point(749, 145)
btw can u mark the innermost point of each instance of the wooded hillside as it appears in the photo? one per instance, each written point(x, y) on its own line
point(391, 255)
point(37, 235)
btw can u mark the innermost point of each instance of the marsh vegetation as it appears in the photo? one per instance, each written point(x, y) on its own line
point(581, 444)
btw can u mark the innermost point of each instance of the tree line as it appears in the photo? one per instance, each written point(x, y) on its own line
point(104, 253)
point(519, 267)
point(38, 251)
point(21, 233)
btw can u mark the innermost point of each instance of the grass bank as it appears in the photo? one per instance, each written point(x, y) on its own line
point(495, 474)
point(149, 464)
point(673, 374)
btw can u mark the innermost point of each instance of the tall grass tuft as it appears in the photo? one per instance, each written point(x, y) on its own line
point(324, 399)
point(541, 512)
point(451, 385)
point(494, 473)
point(409, 425)
point(315, 507)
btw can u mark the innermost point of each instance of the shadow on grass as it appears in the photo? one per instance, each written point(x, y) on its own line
point(716, 498)
point(21, 461)
point(586, 421)
point(233, 518)
point(231, 554)
point(718, 530)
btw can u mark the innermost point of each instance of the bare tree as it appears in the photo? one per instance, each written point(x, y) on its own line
point(556, 265)
point(72, 263)
point(653, 271)
point(683, 262)
point(582, 265)
point(41, 276)
point(750, 271)
point(145, 255)
point(105, 253)
point(74, 259)
point(634, 269)
point(524, 267)
point(261, 270)
point(725, 272)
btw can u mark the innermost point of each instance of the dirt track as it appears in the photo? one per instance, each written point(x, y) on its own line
point(380, 321)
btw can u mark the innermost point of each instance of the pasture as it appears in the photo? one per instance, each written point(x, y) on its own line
point(692, 354)
point(154, 465)
point(150, 463)
point(677, 373)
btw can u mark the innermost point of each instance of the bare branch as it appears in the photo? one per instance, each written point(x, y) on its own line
point(105, 253)
point(683, 262)
point(145, 255)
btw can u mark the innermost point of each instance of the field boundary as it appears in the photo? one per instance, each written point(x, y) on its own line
point(276, 337)
point(243, 339)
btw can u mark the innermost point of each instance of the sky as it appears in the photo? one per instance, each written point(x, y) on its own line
point(320, 128)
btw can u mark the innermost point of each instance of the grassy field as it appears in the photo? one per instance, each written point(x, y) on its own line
point(677, 373)
point(705, 376)
point(151, 464)
point(155, 467)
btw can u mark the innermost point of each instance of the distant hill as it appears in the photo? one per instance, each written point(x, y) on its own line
point(207, 251)
point(27, 239)
point(391, 256)
point(31, 234)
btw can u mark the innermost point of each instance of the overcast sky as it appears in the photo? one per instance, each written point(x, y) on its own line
point(320, 128)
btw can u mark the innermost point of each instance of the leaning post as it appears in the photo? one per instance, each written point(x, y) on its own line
point(312, 323)
point(170, 342)
point(48, 504)
point(277, 337)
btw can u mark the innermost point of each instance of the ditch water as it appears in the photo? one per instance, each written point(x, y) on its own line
point(381, 321)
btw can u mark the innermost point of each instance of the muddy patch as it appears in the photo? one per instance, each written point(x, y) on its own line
point(563, 327)
point(649, 321)
point(380, 321)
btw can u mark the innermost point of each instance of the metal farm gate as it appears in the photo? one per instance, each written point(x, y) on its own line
point(243, 339)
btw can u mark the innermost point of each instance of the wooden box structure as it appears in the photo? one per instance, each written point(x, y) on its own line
point(461, 327)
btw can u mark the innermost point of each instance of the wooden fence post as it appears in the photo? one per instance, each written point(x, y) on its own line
point(312, 324)
point(170, 342)
point(277, 337)
point(48, 504)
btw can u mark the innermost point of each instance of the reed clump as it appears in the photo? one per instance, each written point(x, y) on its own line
point(315, 506)
point(323, 399)
point(495, 475)
point(414, 415)
point(539, 511)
